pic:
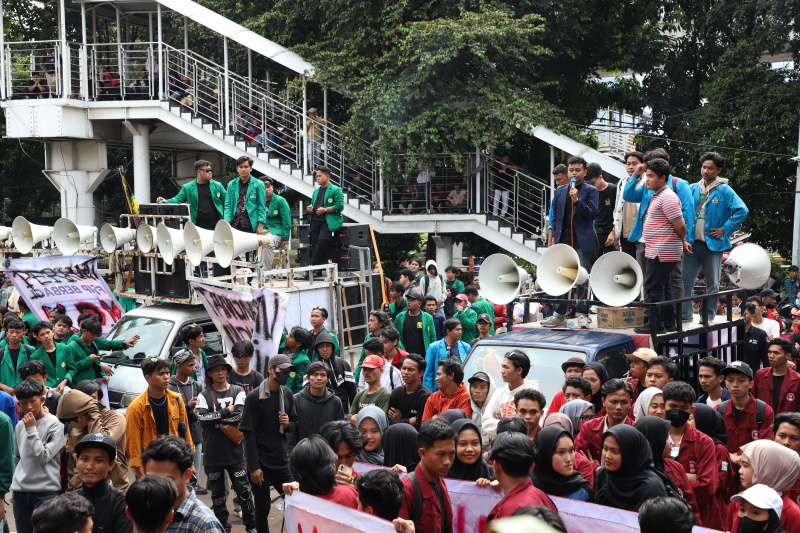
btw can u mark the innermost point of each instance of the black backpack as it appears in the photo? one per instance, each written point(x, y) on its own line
point(760, 408)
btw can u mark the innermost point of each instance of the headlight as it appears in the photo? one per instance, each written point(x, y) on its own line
point(128, 398)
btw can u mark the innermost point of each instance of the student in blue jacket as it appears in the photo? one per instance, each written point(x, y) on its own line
point(450, 346)
point(718, 213)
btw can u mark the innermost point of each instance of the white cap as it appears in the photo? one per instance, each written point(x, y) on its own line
point(762, 497)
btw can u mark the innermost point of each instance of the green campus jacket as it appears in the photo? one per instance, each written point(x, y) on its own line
point(428, 329)
point(30, 318)
point(9, 376)
point(84, 366)
point(300, 360)
point(255, 202)
point(65, 364)
point(188, 195)
point(482, 306)
point(334, 197)
point(393, 312)
point(7, 458)
point(469, 324)
point(279, 217)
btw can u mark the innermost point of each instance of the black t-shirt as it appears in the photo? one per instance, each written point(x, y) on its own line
point(412, 334)
point(160, 414)
point(52, 356)
point(605, 211)
point(452, 351)
point(249, 382)
point(755, 348)
point(207, 214)
point(777, 383)
point(410, 405)
point(14, 354)
point(320, 202)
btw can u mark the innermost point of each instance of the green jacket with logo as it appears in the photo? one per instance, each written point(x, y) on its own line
point(279, 217)
point(428, 329)
point(334, 198)
point(84, 366)
point(65, 364)
point(9, 376)
point(255, 201)
point(188, 195)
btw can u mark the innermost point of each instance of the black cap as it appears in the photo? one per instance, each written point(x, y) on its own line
point(479, 376)
point(98, 440)
point(769, 293)
point(282, 362)
point(217, 360)
point(485, 317)
point(415, 295)
point(738, 367)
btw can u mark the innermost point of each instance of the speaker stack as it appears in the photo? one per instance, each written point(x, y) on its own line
point(339, 252)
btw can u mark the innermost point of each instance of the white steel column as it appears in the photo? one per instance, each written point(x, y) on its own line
point(66, 67)
point(552, 166)
point(305, 130)
point(227, 87)
point(478, 194)
point(250, 79)
point(162, 72)
point(444, 255)
point(325, 129)
point(141, 163)
point(83, 56)
point(186, 45)
point(119, 53)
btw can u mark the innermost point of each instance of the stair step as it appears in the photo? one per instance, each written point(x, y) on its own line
point(519, 237)
point(353, 202)
point(366, 208)
point(494, 224)
point(505, 231)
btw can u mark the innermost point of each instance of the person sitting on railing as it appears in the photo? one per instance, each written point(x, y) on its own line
point(188, 99)
point(177, 89)
point(269, 137)
point(439, 198)
point(253, 131)
point(356, 182)
point(503, 182)
point(409, 199)
point(109, 87)
point(50, 72)
point(242, 122)
point(457, 199)
point(314, 136)
point(139, 89)
point(286, 146)
point(36, 87)
point(210, 107)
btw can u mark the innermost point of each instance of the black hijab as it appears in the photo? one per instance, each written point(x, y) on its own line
point(709, 421)
point(400, 446)
point(597, 399)
point(636, 480)
point(478, 469)
point(451, 415)
point(656, 431)
point(544, 477)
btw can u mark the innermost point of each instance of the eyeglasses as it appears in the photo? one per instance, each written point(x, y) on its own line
point(585, 418)
point(206, 170)
point(240, 356)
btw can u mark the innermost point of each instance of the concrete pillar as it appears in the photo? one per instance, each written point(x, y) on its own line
point(444, 254)
point(141, 163)
point(76, 169)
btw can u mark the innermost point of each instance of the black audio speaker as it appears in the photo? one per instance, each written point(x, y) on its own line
point(173, 210)
point(142, 281)
point(172, 285)
point(358, 235)
point(304, 234)
point(304, 256)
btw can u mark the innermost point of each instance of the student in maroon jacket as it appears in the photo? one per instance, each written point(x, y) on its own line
point(513, 455)
point(638, 370)
point(617, 395)
point(693, 450)
point(437, 448)
point(709, 422)
point(779, 386)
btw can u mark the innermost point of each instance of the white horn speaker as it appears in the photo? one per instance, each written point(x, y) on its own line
point(616, 279)
point(5, 233)
point(68, 236)
point(559, 270)
point(145, 237)
point(748, 266)
point(199, 243)
point(27, 235)
point(170, 242)
point(229, 242)
point(501, 279)
point(112, 238)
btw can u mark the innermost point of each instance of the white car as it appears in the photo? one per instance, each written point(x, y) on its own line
point(157, 327)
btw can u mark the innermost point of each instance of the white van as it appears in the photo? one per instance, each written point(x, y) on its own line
point(157, 327)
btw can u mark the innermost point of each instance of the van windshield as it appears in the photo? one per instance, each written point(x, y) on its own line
point(545, 365)
point(153, 333)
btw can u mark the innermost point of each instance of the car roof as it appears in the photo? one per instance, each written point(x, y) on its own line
point(589, 339)
point(172, 312)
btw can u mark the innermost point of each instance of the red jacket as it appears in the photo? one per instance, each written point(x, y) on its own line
point(789, 401)
point(793, 493)
point(790, 516)
point(724, 479)
point(439, 403)
point(697, 456)
point(746, 430)
point(585, 468)
point(520, 496)
point(556, 402)
point(430, 521)
point(675, 471)
point(591, 436)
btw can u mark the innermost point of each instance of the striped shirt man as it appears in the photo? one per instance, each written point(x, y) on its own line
point(662, 241)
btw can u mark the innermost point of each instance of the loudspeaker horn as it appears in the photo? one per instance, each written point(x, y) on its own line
point(559, 270)
point(616, 279)
point(5, 233)
point(145, 237)
point(229, 242)
point(170, 242)
point(112, 238)
point(68, 236)
point(199, 243)
point(27, 235)
point(501, 279)
point(748, 266)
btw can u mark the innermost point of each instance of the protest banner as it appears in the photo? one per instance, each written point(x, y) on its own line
point(308, 514)
point(257, 316)
point(72, 281)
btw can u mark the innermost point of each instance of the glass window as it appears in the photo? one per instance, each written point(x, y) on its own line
point(214, 343)
point(545, 365)
point(153, 333)
point(615, 362)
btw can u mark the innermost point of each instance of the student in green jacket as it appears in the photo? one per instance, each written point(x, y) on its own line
point(416, 328)
point(57, 358)
point(206, 197)
point(245, 203)
point(86, 348)
point(26, 314)
point(6, 457)
point(278, 222)
point(194, 340)
point(9, 369)
point(454, 287)
point(468, 318)
point(299, 343)
point(318, 317)
point(479, 305)
point(398, 305)
point(327, 204)
point(62, 329)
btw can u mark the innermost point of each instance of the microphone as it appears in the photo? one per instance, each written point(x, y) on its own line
point(572, 182)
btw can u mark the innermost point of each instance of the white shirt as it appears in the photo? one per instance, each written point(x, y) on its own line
point(391, 378)
point(713, 403)
point(770, 326)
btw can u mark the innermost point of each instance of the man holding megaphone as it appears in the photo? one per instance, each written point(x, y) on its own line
point(574, 212)
point(205, 196)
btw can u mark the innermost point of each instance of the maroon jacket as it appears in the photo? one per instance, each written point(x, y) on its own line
point(520, 496)
point(675, 471)
point(591, 436)
point(697, 456)
point(430, 522)
point(789, 401)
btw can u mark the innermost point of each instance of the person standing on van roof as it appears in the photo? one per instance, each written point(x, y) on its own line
point(205, 196)
point(245, 205)
point(194, 339)
point(278, 221)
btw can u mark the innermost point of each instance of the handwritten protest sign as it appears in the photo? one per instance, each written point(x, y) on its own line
point(257, 316)
point(72, 281)
point(308, 514)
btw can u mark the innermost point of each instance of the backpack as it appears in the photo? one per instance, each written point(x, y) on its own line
point(28, 352)
point(424, 280)
point(416, 509)
point(760, 408)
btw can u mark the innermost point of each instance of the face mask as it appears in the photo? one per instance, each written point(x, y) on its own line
point(676, 417)
point(748, 525)
point(797, 303)
point(282, 377)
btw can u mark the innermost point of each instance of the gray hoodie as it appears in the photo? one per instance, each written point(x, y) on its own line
point(477, 414)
